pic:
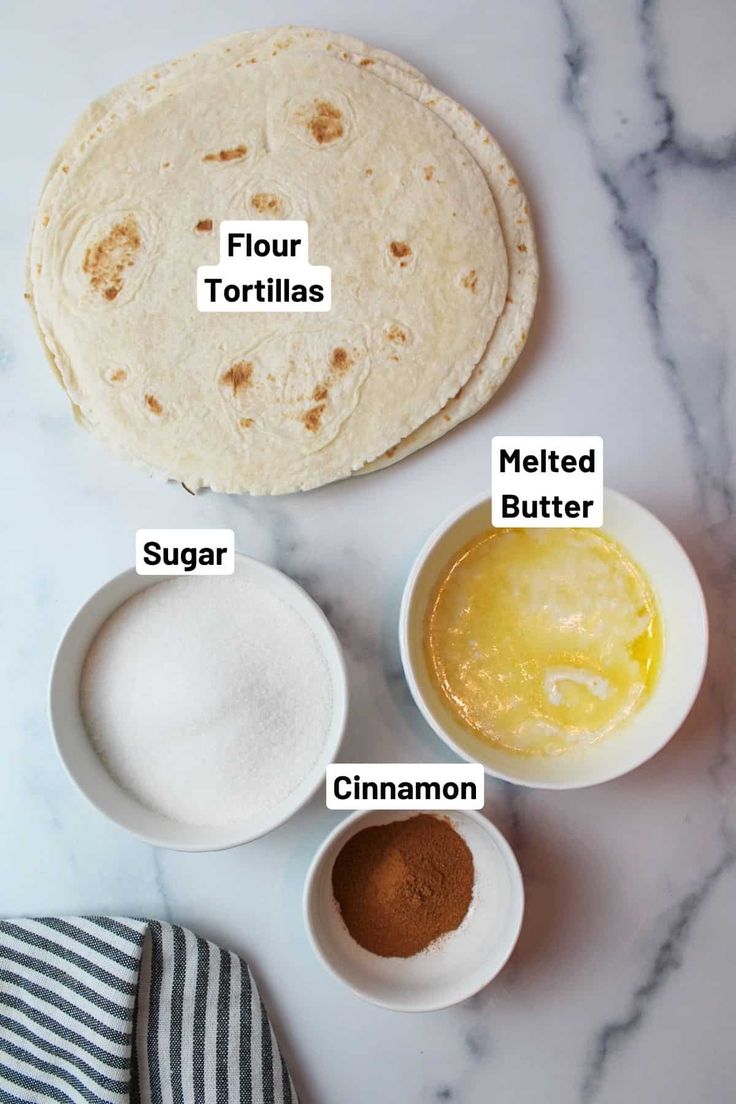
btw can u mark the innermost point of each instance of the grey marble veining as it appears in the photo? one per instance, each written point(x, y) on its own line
point(621, 121)
point(700, 376)
point(634, 178)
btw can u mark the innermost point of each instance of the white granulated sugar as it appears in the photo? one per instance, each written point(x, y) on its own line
point(208, 699)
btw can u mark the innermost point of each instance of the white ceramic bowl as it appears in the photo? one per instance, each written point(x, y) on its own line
point(460, 963)
point(682, 608)
point(87, 770)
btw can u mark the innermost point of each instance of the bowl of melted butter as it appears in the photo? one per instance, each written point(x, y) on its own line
point(554, 657)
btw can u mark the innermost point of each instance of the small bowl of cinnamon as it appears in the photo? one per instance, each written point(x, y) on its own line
point(414, 911)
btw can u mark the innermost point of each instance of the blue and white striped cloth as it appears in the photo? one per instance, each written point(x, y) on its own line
point(96, 1010)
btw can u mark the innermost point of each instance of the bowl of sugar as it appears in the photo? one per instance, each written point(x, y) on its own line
point(199, 712)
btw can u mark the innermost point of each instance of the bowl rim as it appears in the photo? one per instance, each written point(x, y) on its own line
point(341, 696)
point(507, 776)
point(344, 827)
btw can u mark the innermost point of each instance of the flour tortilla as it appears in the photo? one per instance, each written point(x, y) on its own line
point(289, 462)
point(512, 328)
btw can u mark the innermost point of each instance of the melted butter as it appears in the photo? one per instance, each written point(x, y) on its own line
point(540, 640)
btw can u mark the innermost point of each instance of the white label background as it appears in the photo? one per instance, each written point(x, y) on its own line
point(407, 772)
point(240, 269)
point(186, 538)
point(570, 486)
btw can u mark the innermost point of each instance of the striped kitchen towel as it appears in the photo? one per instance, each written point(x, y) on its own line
point(96, 1010)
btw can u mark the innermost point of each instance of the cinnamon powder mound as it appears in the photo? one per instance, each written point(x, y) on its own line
point(402, 885)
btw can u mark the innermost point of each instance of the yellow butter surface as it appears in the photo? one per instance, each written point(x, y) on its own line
point(542, 640)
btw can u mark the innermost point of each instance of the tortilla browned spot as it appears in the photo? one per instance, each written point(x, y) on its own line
point(320, 393)
point(395, 334)
point(325, 124)
point(266, 203)
point(238, 376)
point(340, 360)
point(153, 404)
point(234, 154)
point(313, 417)
point(428, 172)
point(471, 280)
point(118, 376)
point(105, 263)
point(246, 423)
point(400, 249)
point(203, 226)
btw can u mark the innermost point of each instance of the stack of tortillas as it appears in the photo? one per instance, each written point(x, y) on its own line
point(408, 199)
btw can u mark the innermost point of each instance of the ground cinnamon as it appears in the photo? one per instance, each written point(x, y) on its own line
point(402, 885)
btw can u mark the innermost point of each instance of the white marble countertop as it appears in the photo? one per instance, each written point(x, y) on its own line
point(620, 120)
